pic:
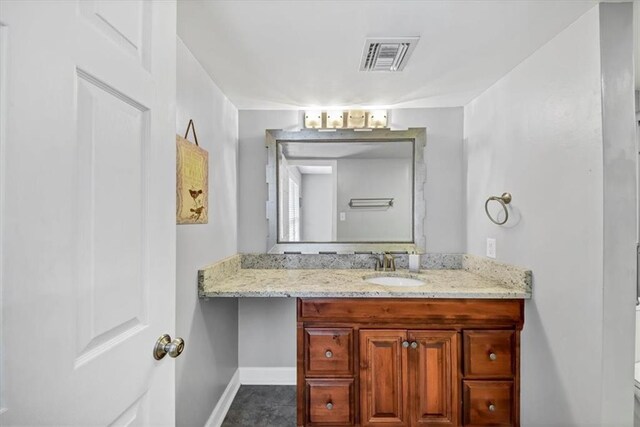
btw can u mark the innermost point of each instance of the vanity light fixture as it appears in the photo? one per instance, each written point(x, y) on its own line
point(313, 119)
point(356, 119)
point(335, 119)
point(377, 119)
point(340, 119)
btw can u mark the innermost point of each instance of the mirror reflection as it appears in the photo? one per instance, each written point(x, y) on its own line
point(346, 191)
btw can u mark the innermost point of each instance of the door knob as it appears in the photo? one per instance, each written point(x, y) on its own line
point(405, 344)
point(414, 344)
point(165, 346)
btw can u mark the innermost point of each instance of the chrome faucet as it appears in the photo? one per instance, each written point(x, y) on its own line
point(385, 262)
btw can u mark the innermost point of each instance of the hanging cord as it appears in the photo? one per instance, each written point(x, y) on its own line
point(193, 127)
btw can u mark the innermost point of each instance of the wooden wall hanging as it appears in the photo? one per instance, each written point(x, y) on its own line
point(192, 180)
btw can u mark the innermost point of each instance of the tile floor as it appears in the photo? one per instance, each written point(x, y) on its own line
point(263, 406)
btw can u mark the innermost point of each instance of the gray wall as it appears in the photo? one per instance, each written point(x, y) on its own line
point(316, 214)
point(267, 332)
point(538, 133)
point(362, 178)
point(444, 222)
point(209, 328)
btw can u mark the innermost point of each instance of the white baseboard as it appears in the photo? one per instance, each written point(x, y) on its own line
point(224, 403)
point(267, 376)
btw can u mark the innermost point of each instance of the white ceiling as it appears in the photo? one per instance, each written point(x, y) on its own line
point(301, 54)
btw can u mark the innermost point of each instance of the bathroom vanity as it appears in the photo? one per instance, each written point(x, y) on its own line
point(408, 362)
point(443, 353)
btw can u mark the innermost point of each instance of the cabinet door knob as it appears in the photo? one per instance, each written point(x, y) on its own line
point(492, 407)
point(329, 406)
point(493, 356)
point(328, 354)
point(414, 344)
point(405, 344)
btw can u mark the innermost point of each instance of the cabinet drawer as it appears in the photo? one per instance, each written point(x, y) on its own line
point(329, 351)
point(409, 310)
point(488, 403)
point(488, 354)
point(330, 402)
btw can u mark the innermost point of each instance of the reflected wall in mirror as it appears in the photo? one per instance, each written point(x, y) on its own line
point(346, 191)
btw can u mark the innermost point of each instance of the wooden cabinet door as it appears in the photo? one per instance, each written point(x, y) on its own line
point(383, 378)
point(433, 378)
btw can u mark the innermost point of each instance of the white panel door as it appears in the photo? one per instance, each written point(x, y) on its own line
point(88, 211)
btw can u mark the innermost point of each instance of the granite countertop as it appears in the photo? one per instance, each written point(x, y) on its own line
point(473, 277)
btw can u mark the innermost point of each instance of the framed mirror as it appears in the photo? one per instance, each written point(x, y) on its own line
point(346, 191)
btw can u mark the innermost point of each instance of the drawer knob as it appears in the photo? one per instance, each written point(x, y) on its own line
point(414, 344)
point(493, 356)
point(328, 354)
point(492, 407)
point(405, 344)
point(329, 406)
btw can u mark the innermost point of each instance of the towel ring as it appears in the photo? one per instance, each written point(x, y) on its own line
point(504, 200)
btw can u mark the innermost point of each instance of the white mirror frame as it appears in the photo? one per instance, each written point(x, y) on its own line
point(419, 138)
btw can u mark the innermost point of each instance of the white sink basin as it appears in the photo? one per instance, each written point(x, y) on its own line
point(394, 281)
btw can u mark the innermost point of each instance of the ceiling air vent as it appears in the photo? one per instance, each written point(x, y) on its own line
point(387, 54)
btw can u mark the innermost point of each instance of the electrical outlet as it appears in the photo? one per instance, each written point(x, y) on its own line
point(491, 247)
point(343, 216)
